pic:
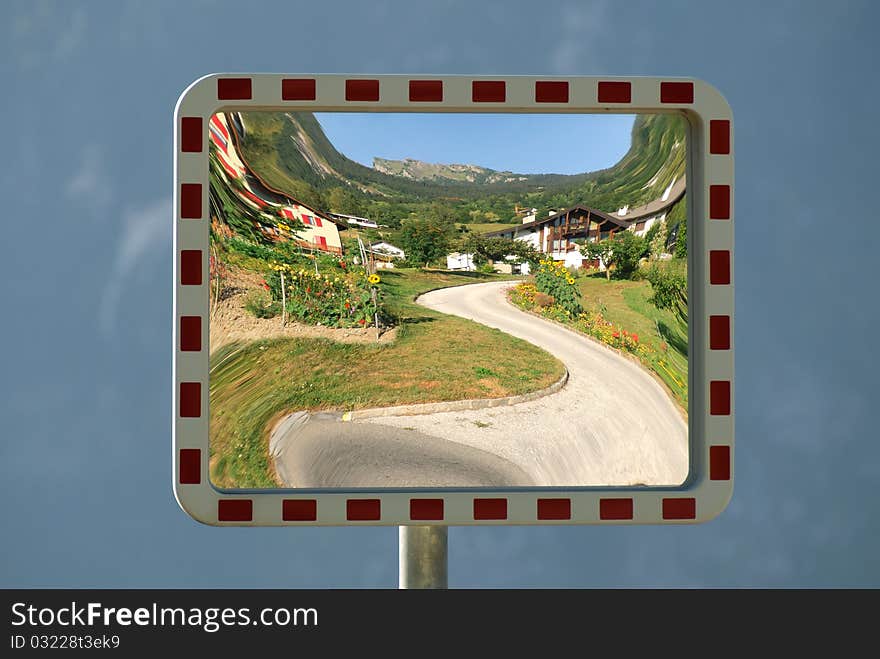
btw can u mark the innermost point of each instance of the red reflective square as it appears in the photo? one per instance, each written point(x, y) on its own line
point(615, 92)
point(425, 90)
point(676, 92)
point(191, 267)
point(488, 91)
point(190, 399)
point(719, 267)
point(680, 508)
point(719, 463)
point(719, 332)
point(719, 202)
point(191, 134)
point(190, 466)
point(615, 508)
point(719, 136)
point(362, 510)
point(191, 201)
point(426, 509)
point(554, 508)
point(719, 397)
point(490, 508)
point(551, 91)
point(234, 89)
point(235, 510)
point(190, 333)
point(361, 90)
point(298, 89)
point(299, 510)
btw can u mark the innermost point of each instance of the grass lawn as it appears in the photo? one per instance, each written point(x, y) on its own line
point(436, 357)
point(625, 303)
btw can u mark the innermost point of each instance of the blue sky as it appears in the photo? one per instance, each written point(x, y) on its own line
point(89, 90)
point(525, 144)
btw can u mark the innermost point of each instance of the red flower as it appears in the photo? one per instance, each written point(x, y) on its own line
point(635, 338)
point(342, 264)
point(616, 335)
point(362, 321)
point(347, 305)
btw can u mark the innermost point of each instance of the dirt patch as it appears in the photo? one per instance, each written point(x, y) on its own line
point(492, 387)
point(231, 322)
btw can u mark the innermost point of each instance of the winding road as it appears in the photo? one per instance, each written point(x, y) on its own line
point(612, 424)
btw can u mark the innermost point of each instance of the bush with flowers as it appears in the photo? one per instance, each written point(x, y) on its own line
point(595, 324)
point(340, 299)
point(528, 296)
point(554, 279)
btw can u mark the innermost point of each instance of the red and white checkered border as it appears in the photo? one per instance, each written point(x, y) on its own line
point(710, 227)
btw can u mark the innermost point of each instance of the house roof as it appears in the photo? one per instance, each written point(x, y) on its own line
point(546, 220)
point(648, 210)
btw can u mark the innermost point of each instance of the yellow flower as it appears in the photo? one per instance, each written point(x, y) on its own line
point(374, 279)
point(570, 280)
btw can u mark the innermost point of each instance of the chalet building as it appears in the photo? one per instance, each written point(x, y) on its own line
point(273, 208)
point(555, 234)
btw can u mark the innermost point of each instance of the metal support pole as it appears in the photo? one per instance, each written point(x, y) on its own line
point(423, 557)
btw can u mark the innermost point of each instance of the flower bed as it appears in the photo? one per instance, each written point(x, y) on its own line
point(339, 299)
point(527, 296)
point(554, 279)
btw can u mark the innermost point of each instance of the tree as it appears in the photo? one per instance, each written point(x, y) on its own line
point(623, 251)
point(655, 240)
point(340, 200)
point(669, 285)
point(495, 248)
point(441, 213)
point(681, 240)
point(426, 240)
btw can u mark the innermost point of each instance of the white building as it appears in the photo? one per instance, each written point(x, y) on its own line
point(459, 261)
point(387, 249)
point(555, 234)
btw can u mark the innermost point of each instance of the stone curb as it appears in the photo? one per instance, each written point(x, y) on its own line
point(455, 405)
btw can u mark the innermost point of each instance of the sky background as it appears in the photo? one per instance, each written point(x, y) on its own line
point(520, 143)
point(88, 94)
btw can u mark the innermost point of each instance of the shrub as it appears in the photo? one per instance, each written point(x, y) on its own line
point(555, 280)
point(669, 285)
point(261, 304)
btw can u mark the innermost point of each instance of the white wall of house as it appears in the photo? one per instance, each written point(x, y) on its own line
point(318, 231)
point(649, 222)
point(459, 261)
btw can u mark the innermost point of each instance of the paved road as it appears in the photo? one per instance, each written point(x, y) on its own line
point(612, 424)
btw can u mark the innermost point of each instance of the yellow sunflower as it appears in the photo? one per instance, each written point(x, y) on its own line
point(374, 279)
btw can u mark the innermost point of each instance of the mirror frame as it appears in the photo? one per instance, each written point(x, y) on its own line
point(710, 172)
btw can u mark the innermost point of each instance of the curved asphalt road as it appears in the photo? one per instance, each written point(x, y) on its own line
point(612, 424)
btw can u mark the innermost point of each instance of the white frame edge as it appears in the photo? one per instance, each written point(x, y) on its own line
point(709, 486)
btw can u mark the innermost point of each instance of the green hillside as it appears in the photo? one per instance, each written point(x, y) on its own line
point(292, 153)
